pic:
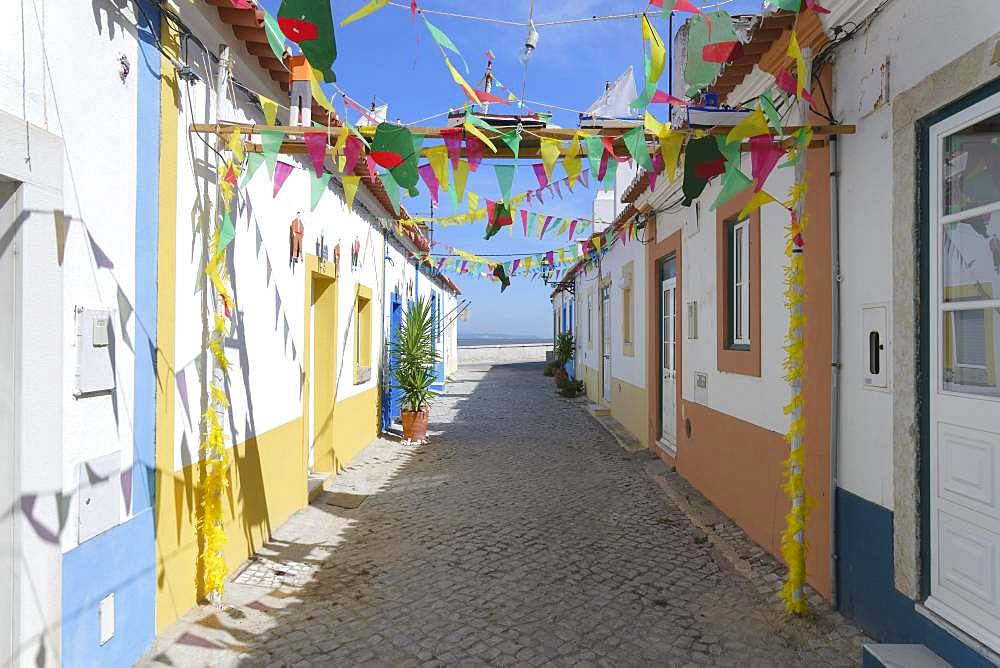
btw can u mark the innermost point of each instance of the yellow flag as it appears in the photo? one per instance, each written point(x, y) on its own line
point(476, 132)
point(473, 201)
point(461, 177)
point(460, 80)
point(550, 153)
point(653, 126)
point(364, 11)
point(657, 52)
point(270, 108)
point(350, 189)
point(753, 125)
point(437, 156)
point(341, 163)
point(236, 144)
point(572, 161)
point(758, 200)
point(318, 94)
point(341, 143)
point(670, 149)
point(795, 53)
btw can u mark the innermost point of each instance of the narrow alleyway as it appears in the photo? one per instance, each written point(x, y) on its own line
point(521, 535)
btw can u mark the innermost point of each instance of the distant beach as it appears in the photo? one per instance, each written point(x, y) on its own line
point(497, 339)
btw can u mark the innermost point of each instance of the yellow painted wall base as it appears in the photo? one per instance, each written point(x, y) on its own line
point(592, 379)
point(267, 483)
point(355, 425)
point(629, 407)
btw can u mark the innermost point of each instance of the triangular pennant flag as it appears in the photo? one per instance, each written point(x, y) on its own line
point(474, 149)
point(657, 52)
point(431, 180)
point(721, 52)
point(513, 140)
point(461, 178)
point(758, 200)
point(767, 106)
point(572, 162)
point(469, 91)
point(731, 152)
point(254, 161)
point(733, 182)
point(787, 83)
point(317, 188)
point(270, 108)
point(549, 150)
point(752, 126)
point(444, 41)
point(437, 157)
point(281, 172)
point(654, 173)
point(595, 149)
point(275, 38)
point(541, 174)
point(270, 144)
point(364, 10)
point(558, 191)
point(318, 94)
point(702, 161)
point(227, 232)
point(391, 189)
point(635, 142)
point(659, 97)
point(787, 5)
point(585, 178)
point(609, 146)
point(764, 155)
point(316, 145)
point(545, 226)
point(472, 125)
point(815, 6)
point(505, 179)
point(524, 221)
point(453, 141)
point(236, 144)
point(795, 53)
point(350, 184)
point(352, 150)
point(397, 147)
point(372, 167)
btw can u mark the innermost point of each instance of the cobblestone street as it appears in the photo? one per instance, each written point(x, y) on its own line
point(521, 534)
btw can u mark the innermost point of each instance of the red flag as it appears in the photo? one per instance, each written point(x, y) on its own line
point(786, 82)
point(489, 97)
point(815, 6)
point(721, 52)
point(387, 159)
point(659, 97)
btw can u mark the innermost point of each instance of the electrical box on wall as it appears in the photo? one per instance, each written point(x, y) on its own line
point(874, 323)
point(99, 488)
point(95, 372)
point(700, 387)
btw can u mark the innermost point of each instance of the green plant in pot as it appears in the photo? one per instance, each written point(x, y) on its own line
point(564, 353)
point(415, 358)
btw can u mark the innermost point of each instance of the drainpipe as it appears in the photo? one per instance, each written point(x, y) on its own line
point(836, 359)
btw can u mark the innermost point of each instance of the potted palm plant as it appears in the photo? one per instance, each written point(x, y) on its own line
point(564, 353)
point(415, 358)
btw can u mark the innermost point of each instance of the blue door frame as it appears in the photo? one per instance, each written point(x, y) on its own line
point(438, 385)
point(392, 396)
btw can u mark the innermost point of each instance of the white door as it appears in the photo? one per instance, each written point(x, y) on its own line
point(606, 342)
point(668, 340)
point(964, 338)
point(9, 281)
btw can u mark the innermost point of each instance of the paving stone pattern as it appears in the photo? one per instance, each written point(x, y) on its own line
point(521, 534)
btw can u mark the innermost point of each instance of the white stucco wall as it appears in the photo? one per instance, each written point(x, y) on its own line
point(628, 368)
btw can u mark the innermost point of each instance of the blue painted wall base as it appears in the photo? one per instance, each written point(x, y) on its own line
point(865, 584)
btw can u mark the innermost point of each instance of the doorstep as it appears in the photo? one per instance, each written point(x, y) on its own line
point(598, 410)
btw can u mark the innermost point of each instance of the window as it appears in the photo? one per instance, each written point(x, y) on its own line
point(738, 285)
point(627, 315)
point(363, 335)
point(970, 338)
point(628, 311)
point(590, 317)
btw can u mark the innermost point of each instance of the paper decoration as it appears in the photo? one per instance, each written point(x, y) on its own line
point(430, 180)
point(350, 183)
point(572, 229)
point(635, 142)
point(365, 9)
point(318, 95)
point(275, 38)
point(512, 139)
point(270, 108)
point(703, 31)
point(787, 83)
point(764, 155)
point(443, 41)
point(372, 168)
point(281, 172)
point(721, 52)
point(505, 179)
point(759, 199)
point(733, 183)
point(352, 150)
point(501, 275)
point(595, 151)
point(549, 150)
point(236, 144)
point(541, 174)
point(657, 52)
point(395, 143)
point(391, 189)
point(461, 177)
point(678, 6)
point(469, 91)
point(227, 232)
point(317, 188)
point(474, 149)
point(472, 125)
point(815, 6)
point(701, 162)
point(572, 162)
point(310, 25)
point(670, 150)
point(254, 161)
point(753, 125)
point(767, 106)
point(795, 53)
point(787, 5)
point(453, 141)
point(660, 97)
point(270, 144)
point(316, 146)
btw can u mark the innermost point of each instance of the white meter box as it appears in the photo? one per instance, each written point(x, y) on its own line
point(95, 372)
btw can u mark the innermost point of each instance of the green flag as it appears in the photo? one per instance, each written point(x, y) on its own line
point(227, 232)
point(729, 150)
point(275, 38)
point(595, 149)
point(767, 104)
point(444, 41)
point(317, 188)
point(270, 142)
point(254, 161)
point(635, 142)
point(733, 182)
point(513, 140)
point(309, 24)
point(505, 178)
point(391, 189)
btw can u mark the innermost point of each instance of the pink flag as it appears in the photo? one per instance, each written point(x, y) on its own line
point(491, 207)
point(572, 229)
point(513, 268)
point(316, 145)
point(543, 179)
point(441, 262)
point(764, 155)
point(786, 82)
point(685, 6)
point(657, 169)
point(242, 4)
point(413, 10)
point(372, 168)
point(551, 257)
point(815, 6)
point(524, 221)
point(604, 166)
point(528, 194)
point(585, 178)
point(623, 234)
point(659, 97)
point(352, 149)
point(281, 172)
point(453, 140)
point(558, 191)
point(538, 194)
point(545, 226)
point(464, 267)
point(431, 179)
point(474, 148)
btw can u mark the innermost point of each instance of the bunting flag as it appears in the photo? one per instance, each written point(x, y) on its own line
point(350, 183)
point(366, 9)
point(275, 38)
point(657, 52)
point(764, 155)
point(541, 174)
point(702, 162)
point(733, 183)
point(235, 144)
point(393, 147)
point(317, 188)
point(281, 172)
point(270, 145)
point(815, 6)
point(391, 189)
point(227, 232)
point(310, 25)
point(571, 162)
point(453, 141)
point(316, 146)
point(773, 117)
point(254, 161)
point(595, 150)
point(660, 97)
point(461, 177)
point(524, 221)
point(788, 84)
point(431, 180)
point(752, 126)
point(679, 6)
point(501, 275)
point(635, 142)
point(512, 139)
point(352, 150)
point(443, 41)
point(472, 125)
point(670, 150)
point(549, 150)
point(474, 149)
point(795, 53)
point(505, 179)
point(759, 199)
point(318, 94)
point(270, 109)
point(469, 91)
point(437, 159)
point(572, 229)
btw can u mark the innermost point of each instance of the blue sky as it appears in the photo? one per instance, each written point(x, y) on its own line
point(379, 57)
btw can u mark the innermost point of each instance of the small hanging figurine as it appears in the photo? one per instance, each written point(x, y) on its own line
point(295, 232)
point(299, 88)
point(355, 253)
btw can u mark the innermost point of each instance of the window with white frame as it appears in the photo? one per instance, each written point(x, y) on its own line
point(738, 288)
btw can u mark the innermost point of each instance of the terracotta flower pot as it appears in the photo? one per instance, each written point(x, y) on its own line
point(414, 425)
